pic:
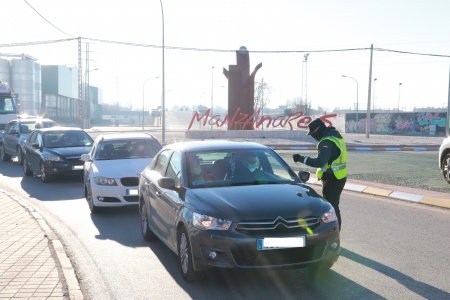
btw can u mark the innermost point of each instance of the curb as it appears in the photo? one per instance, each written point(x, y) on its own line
point(356, 148)
point(397, 195)
point(61, 259)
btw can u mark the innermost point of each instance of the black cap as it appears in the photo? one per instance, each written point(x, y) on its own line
point(314, 125)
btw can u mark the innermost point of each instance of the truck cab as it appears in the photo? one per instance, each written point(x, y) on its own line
point(8, 109)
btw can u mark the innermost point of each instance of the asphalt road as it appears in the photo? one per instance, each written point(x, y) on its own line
point(390, 250)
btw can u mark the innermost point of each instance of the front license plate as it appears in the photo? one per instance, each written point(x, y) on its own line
point(77, 167)
point(280, 243)
point(132, 192)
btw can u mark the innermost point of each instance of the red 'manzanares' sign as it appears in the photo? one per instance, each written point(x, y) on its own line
point(294, 120)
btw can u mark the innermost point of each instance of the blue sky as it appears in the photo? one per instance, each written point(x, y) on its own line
point(285, 25)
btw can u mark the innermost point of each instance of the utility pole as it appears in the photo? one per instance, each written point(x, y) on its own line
point(304, 77)
point(79, 116)
point(87, 117)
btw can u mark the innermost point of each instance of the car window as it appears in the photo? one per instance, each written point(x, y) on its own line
point(32, 137)
point(39, 139)
point(127, 149)
point(161, 162)
point(12, 127)
point(62, 139)
point(237, 167)
point(26, 127)
point(174, 168)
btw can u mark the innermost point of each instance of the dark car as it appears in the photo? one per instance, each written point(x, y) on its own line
point(54, 152)
point(16, 131)
point(234, 205)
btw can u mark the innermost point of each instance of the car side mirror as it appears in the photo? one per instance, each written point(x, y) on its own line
point(85, 157)
point(167, 183)
point(35, 146)
point(304, 175)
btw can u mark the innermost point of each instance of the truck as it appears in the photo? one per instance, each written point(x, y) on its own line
point(8, 105)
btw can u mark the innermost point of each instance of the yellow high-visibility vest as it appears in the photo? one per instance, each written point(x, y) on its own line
point(339, 165)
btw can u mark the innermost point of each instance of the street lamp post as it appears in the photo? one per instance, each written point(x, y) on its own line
point(398, 104)
point(212, 94)
point(373, 100)
point(143, 99)
point(163, 101)
point(357, 110)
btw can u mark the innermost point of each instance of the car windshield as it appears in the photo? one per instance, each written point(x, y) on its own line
point(237, 167)
point(64, 139)
point(127, 149)
point(28, 126)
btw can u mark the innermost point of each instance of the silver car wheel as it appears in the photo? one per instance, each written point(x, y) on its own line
point(44, 176)
point(19, 156)
point(184, 253)
point(94, 209)
point(446, 168)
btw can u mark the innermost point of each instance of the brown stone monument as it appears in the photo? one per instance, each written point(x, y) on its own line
point(241, 86)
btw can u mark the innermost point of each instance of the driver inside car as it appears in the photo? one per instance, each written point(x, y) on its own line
point(248, 166)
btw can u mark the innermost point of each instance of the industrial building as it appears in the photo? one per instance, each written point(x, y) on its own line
point(50, 91)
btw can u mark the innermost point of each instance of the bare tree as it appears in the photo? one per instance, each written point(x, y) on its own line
point(298, 104)
point(262, 92)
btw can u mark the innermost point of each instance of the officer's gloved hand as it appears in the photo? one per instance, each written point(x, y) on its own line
point(298, 158)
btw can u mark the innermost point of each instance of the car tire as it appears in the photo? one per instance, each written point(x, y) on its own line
point(26, 170)
point(446, 168)
point(92, 207)
point(185, 257)
point(44, 176)
point(147, 233)
point(3, 155)
point(19, 156)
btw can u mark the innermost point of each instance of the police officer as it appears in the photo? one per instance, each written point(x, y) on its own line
point(330, 162)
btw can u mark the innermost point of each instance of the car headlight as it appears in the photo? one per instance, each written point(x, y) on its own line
point(204, 222)
point(329, 216)
point(55, 158)
point(104, 181)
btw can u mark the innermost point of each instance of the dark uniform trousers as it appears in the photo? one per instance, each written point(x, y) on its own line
point(331, 190)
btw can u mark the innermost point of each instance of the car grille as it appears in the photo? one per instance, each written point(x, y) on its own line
point(129, 181)
point(131, 198)
point(252, 257)
point(75, 161)
point(279, 225)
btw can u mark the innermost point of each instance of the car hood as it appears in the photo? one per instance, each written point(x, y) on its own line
point(119, 168)
point(259, 202)
point(69, 151)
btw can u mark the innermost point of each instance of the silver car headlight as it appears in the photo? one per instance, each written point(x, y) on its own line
point(204, 222)
point(104, 181)
point(55, 158)
point(329, 216)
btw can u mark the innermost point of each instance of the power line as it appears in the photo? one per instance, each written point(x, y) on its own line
point(46, 19)
point(219, 50)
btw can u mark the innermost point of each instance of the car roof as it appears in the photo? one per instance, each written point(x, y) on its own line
point(60, 128)
point(32, 120)
point(125, 136)
point(214, 145)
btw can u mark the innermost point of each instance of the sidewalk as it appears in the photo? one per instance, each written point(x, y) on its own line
point(33, 263)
